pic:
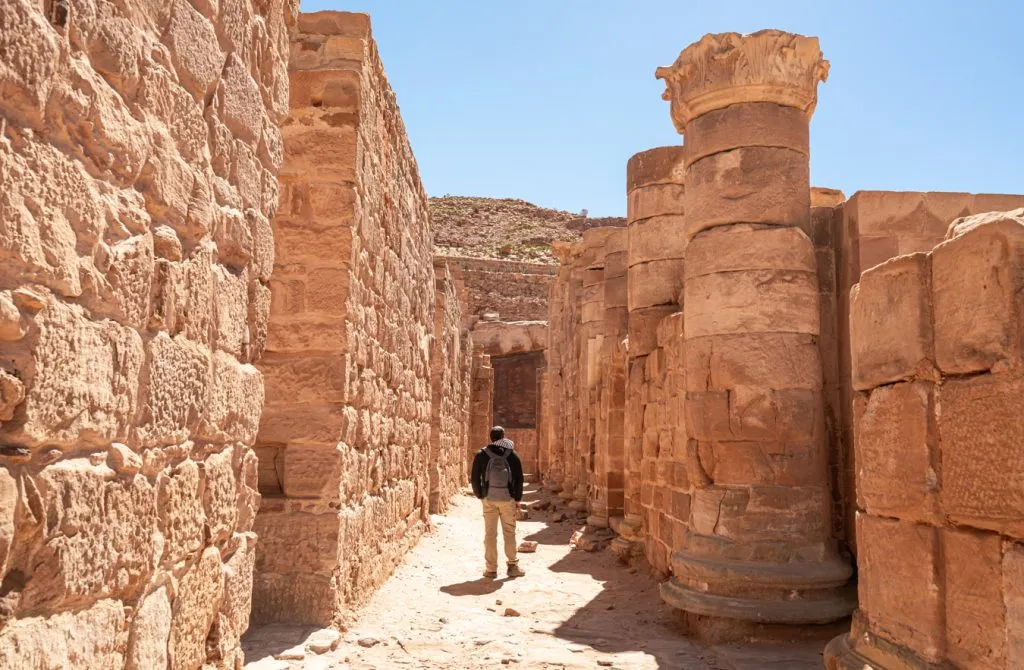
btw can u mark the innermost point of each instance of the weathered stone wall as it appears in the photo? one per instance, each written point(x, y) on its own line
point(481, 406)
point(450, 362)
point(516, 291)
point(877, 226)
point(938, 375)
point(348, 418)
point(139, 148)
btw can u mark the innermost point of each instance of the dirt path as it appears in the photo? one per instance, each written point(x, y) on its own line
point(576, 610)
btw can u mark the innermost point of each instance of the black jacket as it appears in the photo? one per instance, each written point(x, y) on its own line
point(515, 482)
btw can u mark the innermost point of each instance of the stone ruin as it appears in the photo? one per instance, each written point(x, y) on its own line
point(236, 380)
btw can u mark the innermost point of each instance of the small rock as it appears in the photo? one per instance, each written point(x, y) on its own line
point(443, 619)
point(123, 460)
point(497, 602)
point(511, 612)
point(294, 654)
point(610, 607)
point(527, 546)
point(605, 664)
point(51, 455)
point(322, 641)
point(368, 642)
point(28, 300)
point(558, 517)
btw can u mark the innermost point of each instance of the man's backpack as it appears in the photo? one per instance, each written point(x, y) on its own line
point(498, 474)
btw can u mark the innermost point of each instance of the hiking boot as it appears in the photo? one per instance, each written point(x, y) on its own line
point(491, 574)
point(516, 571)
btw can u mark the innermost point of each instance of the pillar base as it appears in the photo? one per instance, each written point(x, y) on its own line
point(860, 650)
point(629, 528)
point(597, 521)
point(773, 593)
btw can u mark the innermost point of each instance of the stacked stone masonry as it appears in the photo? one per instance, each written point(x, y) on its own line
point(511, 290)
point(139, 152)
point(354, 448)
point(938, 374)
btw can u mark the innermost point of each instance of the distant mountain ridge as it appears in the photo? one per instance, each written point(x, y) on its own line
point(505, 228)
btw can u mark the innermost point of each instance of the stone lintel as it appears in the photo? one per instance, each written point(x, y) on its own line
point(728, 68)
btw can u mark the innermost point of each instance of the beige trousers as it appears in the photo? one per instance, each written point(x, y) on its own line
point(505, 510)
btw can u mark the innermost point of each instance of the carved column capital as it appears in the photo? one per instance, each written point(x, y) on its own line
point(728, 68)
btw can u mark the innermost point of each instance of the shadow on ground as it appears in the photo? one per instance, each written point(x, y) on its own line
point(476, 587)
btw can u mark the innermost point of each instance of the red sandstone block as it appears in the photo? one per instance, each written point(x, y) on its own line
point(976, 281)
point(659, 165)
point(877, 250)
point(1013, 601)
point(783, 514)
point(655, 283)
point(890, 322)
point(653, 200)
point(643, 328)
point(898, 591)
point(896, 448)
point(980, 423)
point(707, 416)
point(754, 301)
point(975, 615)
point(897, 214)
point(335, 89)
point(657, 238)
point(748, 248)
point(750, 184)
point(681, 506)
point(311, 471)
point(748, 124)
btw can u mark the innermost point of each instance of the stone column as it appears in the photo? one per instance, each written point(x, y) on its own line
point(758, 545)
point(606, 495)
point(656, 242)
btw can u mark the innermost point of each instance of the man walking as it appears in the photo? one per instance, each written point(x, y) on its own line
point(497, 480)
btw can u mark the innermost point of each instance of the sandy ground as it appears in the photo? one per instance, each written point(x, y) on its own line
point(576, 609)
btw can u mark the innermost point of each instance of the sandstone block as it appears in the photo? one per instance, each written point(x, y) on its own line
point(319, 153)
point(85, 379)
point(643, 328)
point(12, 393)
point(180, 511)
point(322, 424)
point(976, 280)
point(173, 401)
point(234, 403)
point(220, 495)
point(296, 543)
point(654, 200)
point(661, 165)
point(890, 322)
point(747, 185)
point(657, 238)
point(311, 471)
point(759, 463)
point(975, 614)
point(898, 592)
point(196, 603)
point(89, 637)
point(721, 362)
point(231, 302)
point(746, 247)
point(748, 124)
point(898, 214)
point(655, 283)
point(89, 555)
point(758, 301)
point(1013, 601)
point(150, 632)
point(194, 50)
point(238, 585)
point(896, 452)
point(333, 88)
point(306, 379)
point(982, 470)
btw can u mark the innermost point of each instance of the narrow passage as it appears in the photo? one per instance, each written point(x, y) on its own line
point(576, 609)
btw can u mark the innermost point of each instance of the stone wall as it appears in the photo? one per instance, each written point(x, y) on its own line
point(347, 425)
point(139, 148)
point(938, 377)
point(481, 406)
point(514, 290)
point(450, 381)
point(877, 226)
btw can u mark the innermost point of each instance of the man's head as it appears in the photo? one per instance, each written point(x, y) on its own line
point(497, 433)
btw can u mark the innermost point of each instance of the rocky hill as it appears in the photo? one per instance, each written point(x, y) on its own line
point(505, 228)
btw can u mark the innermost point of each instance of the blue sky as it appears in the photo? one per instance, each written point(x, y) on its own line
point(546, 100)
